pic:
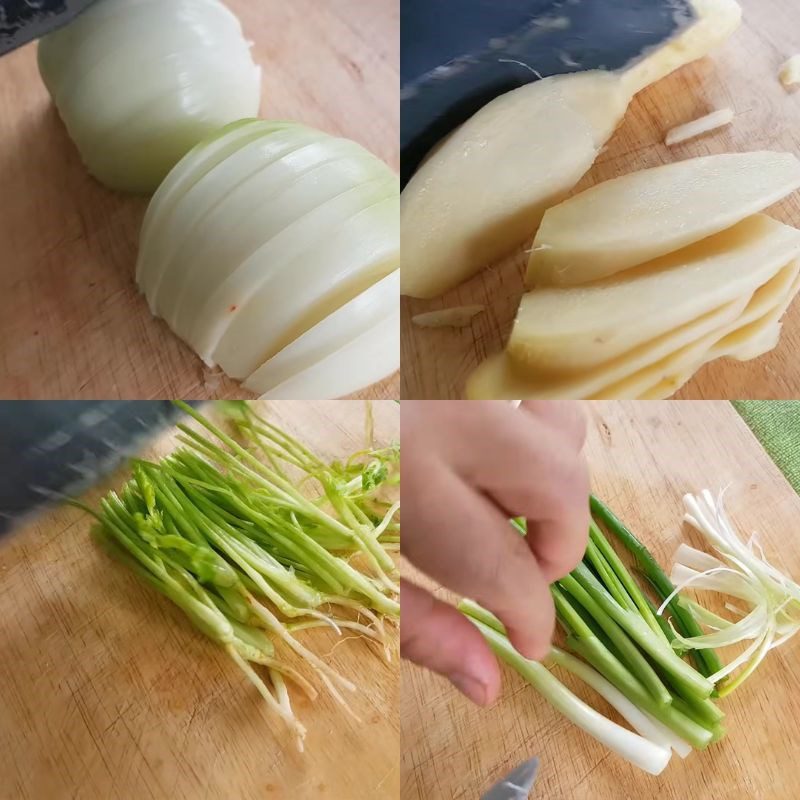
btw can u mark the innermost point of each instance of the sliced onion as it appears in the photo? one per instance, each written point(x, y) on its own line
point(359, 363)
point(273, 249)
point(359, 317)
point(138, 83)
point(355, 256)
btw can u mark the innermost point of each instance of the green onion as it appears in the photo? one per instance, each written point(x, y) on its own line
point(626, 647)
point(706, 660)
point(235, 544)
point(640, 751)
point(654, 645)
point(634, 593)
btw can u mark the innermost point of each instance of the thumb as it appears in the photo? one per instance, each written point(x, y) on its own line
point(435, 635)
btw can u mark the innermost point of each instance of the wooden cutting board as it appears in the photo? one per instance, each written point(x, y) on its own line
point(741, 75)
point(72, 324)
point(106, 690)
point(644, 457)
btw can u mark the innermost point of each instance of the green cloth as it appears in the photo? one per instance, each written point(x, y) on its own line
point(776, 424)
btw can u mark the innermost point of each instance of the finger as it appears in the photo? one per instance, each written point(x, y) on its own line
point(461, 539)
point(560, 532)
point(527, 468)
point(439, 637)
point(564, 415)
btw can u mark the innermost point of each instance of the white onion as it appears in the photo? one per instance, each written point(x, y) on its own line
point(347, 350)
point(273, 250)
point(138, 83)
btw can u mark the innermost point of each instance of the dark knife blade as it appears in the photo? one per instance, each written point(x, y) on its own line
point(457, 55)
point(22, 21)
point(49, 449)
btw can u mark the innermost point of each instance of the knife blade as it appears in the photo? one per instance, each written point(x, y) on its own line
point(22, 21)
point(457, 55)
point(49, 449)
point(517, 784)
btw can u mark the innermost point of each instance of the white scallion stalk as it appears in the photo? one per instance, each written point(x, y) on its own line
point(640, 721)
point(641, 752)
point(138, 83)
point(273, 250)
point(741, 571)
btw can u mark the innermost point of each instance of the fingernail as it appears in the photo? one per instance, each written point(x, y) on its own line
point(470, 686)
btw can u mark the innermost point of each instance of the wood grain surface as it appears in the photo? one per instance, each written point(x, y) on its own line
point(644, 456)
point(72, 324)
point(742, 75)
point(107, 691)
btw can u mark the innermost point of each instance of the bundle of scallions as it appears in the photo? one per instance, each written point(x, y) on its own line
point(631, 654)
point(229, 529)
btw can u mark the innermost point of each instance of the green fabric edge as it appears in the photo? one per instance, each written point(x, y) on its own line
point(776, 425)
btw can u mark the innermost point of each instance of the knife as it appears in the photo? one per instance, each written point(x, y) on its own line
point(22, 21)
point(457, 55)
point(49, 449)
point(517, 784)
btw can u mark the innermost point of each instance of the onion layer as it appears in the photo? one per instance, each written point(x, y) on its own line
point(273, 250)
point(138, 83)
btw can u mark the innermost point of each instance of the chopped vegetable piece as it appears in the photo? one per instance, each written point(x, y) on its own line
point(790, 72)
point(270, 250)
point(699, 127)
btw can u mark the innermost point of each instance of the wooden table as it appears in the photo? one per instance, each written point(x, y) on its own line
point(644, 457)
point(72, 324)
point(106, 691)
point(741, 75)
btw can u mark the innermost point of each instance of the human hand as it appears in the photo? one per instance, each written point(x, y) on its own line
point(467, 468)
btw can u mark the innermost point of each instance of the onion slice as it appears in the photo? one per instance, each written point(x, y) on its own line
point(268, 249)
point(365, 315)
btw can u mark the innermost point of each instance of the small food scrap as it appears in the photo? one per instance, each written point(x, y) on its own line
point(455, 317)
point(790, 72)
point(698, 127)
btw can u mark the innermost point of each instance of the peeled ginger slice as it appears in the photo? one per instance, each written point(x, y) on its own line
point(681, 351)
point(562, 330)
point(644, 215)
point(750, 341)
point(752, 334)
point(497, 378)
point(484, 190)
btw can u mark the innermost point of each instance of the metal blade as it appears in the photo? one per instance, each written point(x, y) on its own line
point(457, 55)
point(22, 21)
point(49, 449)
point(517, 784)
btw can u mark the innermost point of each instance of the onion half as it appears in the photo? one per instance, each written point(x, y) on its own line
point(138, 83)
point(273, 249)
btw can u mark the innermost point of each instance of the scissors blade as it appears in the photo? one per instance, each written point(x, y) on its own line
point(517, 784)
